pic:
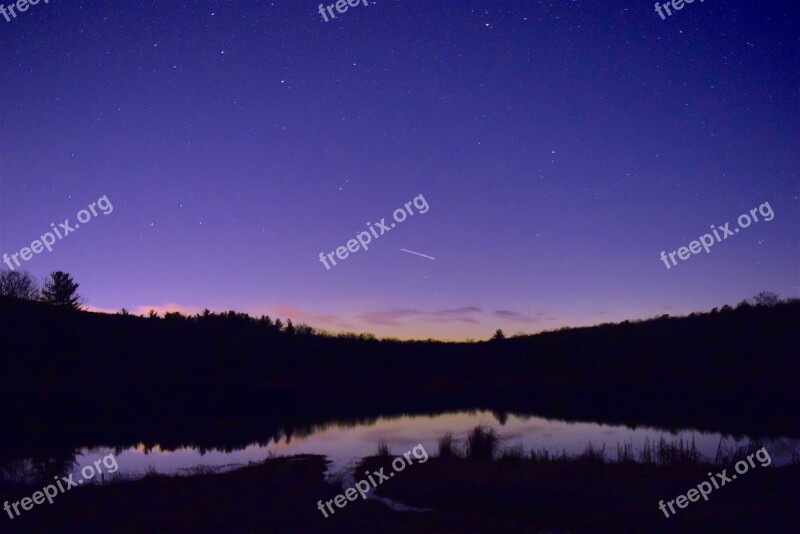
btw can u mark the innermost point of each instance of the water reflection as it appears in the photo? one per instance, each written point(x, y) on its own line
point(36, 470)
point(345, 444)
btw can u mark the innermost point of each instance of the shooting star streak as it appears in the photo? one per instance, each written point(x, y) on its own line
point(418, 254)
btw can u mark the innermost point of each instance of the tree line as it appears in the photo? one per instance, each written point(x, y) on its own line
point(58, 289)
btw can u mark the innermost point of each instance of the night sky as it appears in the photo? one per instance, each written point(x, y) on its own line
point(560, 146)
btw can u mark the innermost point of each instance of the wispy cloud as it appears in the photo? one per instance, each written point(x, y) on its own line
point(465, 314)
point(397, 315)
point(311, 318)
point(513, 316)
point(389, 316)
point(465, 309)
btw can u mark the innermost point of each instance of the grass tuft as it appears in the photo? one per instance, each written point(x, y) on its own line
point(383, 448)
point(447, 446)
point(482, 444)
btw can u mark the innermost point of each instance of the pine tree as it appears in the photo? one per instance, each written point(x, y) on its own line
point(498, 335)
point(61, 290)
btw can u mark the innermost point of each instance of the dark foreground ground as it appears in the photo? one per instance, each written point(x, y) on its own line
point(511, 495)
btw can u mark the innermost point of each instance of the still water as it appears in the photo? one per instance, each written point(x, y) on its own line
point(344, 445)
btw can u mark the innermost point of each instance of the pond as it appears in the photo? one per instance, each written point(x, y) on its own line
point(344, 444)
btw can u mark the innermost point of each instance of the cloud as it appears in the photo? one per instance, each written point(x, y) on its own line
point(465, 314)
point(388, 317)
point(518, 317)
point(457, 314)
point(311, 318)
point(513, 316)
point(465, 309)
point(397, 315)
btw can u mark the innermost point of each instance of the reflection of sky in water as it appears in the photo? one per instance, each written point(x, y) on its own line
point(344, 445)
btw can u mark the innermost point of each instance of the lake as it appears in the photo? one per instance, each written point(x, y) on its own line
point(345, 444)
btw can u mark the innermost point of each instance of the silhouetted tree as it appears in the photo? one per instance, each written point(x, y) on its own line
point(174, 316)
point(61, 290)
point(767, 299)
point(19, 284)
point(498, 335)
point(289, 327)
point(304, 330)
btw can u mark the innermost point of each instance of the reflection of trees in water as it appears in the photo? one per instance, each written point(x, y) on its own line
point(781, 451)
point(305, 430)
point(38, 470)
point(222, 420)
point(41, 469)
point(784, 448)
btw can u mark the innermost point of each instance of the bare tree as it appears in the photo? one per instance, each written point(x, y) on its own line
point(18, 284)
point(304, 330)
point(767, 299)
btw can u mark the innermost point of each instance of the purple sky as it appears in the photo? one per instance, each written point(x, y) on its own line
point(560, 145)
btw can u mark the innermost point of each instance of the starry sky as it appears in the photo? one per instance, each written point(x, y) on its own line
point(560, 146)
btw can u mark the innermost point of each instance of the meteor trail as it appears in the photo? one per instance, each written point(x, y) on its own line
point(418, 254)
